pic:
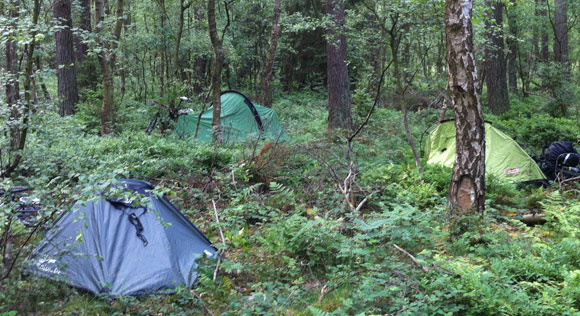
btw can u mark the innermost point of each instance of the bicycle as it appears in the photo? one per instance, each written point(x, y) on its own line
point(173, 114)
point(27, 209)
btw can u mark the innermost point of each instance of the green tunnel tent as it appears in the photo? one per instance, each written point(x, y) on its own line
point(240, 120)
point(504, 158)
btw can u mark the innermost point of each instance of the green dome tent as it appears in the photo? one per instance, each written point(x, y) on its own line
point(504, 158)
point(240, 120)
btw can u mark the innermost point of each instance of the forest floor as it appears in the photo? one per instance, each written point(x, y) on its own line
point(294, 245)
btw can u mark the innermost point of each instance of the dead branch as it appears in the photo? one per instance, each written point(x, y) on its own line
point(217, 219)
point(425, 269)
point(202, 303)
point(534, 219)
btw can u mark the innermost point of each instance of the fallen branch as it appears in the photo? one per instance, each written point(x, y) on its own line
point(217, 219)
point(362, 203)
point(425, 269)
point(534, 219)
point(202, 303)
point(570, 180)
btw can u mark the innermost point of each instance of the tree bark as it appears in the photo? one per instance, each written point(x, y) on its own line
point(561, 52)
point(395, 43)
point(27, 85)
point(270, 56)
point(339, 103)
point(41, 81)
point(68, 95)
point(12, 85)
point(218, 58)
point(512, 43)
point(467, 188)
point(544, 46)
point(182, 8)
point(107, 59)
point(495, 62)
point(84, 25)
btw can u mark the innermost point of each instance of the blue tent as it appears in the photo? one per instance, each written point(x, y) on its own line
point(121, 247)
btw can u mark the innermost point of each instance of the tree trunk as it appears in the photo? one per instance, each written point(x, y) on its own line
point(269, 63)
point(107, 60)
point(512, 43)
point(84, 25)
point(68, 95)
point(395, 43)
point(182, 8)
point(12, 85)
point(41, 81)
point(339, 103)
point(561, 52)
point(467, 188)
point(495, 63)
point(20, 142)
point(544, 46)
point(218, 57)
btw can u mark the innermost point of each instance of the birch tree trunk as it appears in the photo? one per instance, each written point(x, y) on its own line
point(467, 189)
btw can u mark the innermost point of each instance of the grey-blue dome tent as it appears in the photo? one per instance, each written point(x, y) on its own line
point(121, 247)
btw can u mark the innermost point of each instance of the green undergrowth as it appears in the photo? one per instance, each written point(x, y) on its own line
point(293, 245)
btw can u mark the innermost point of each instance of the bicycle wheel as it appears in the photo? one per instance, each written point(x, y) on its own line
point(152, 124)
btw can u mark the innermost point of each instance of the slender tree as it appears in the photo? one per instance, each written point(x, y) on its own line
point(541, 12)
point(218, 58)
point(12, 85)
point(66, 70)
point(467, 189)
point(107, 58)
point(561, 51)
point(339, 103)
point(495, 61)
point(512, 43)
point(269, 63)
point(19, 142)
point(81, 49)
point(183, 6)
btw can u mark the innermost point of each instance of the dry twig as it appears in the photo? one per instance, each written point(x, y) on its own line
point(425, 269)
point(217, 219)
point(202, 303)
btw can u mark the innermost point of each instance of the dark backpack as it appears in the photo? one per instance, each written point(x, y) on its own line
point(560, 154)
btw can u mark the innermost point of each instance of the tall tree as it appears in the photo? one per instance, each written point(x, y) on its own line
point(269, 63)
point(218, 58)
point(85, 26)
point(544, 45)
point(12, 86)
point(467, 188)
point(512, 43)
point(66, 70)
point(561, 51)
point(107, 58)
point(495, 61)
point(183, 6)
point(339, 103)
point(18, 143)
